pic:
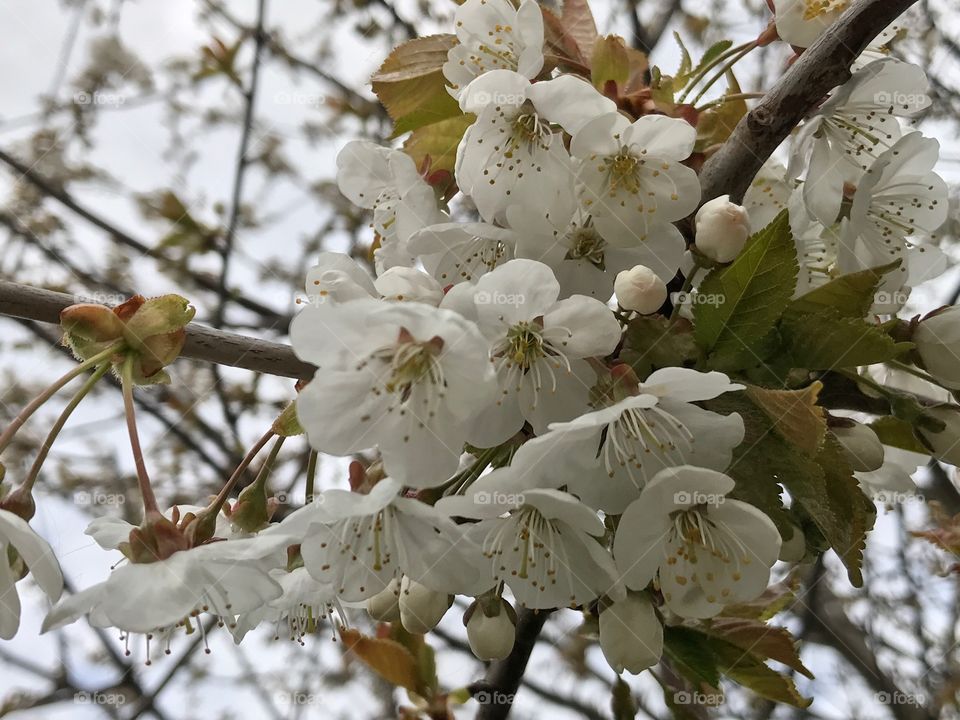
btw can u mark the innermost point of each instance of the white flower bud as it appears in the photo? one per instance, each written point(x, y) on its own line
point(640, 289)
point(945, 444)
point(420, 607)
point(938, 342)
point(385, 605)
point(862, 447)
point(722, 229)
point(491, 637)
point(631, 636)
point(407, 284)
point(794, 549)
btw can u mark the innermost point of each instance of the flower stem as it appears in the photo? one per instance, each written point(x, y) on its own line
point(35, 404)
point(723, 70)
point(729, 98)
point(58, 425)
point(238, 473)
point(311, 474)
point(265, 470)
point(687, 285)
point(143, 480)
point(702, 73)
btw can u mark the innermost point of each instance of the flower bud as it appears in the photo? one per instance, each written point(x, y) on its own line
point(406, 284)
point(640, 289)
point(491, 636)
point(384, 606)
point(722, 229)
point(794, 549)
point(945, 445)
point(631, 635)
point(862, 447)
point(420, 607)
point(938, 341)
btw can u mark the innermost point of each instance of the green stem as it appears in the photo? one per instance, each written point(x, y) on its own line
point(702, 72)
point(264, 474)
point(238, 473)
point(35, 404)
point(58, 425)
point(143, 480)
point(869, 382)
point(687, 286)
point(311, 474)
point(729, 98)
point(723, 70)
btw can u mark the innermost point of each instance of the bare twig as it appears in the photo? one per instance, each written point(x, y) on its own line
point(823, 66)
point(203, 343)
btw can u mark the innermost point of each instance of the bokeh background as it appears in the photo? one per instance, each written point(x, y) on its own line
point(188, 146)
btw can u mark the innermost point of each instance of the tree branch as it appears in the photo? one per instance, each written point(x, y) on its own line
point(503, 677)
point(823, 66)
point(203, 343)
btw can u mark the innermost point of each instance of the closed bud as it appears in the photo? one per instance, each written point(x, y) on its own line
point(491, 629)
point(945, 444)
point(722, 229)
point(862, 447)
point(938, 342)
point(640, 289)
point(631, 636)
point(385, 606)
point(794, 549)
point(420, 607)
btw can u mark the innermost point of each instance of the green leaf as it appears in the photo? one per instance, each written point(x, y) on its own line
point(850, 296)
point(411, 84)
point(689, 652)
point(578, 24)
point(826, 341)
point(752, 672)
point(439, 141)
point(770, 642)
point(610, 62)
point(897, 433)
point(795, 415)
point(686, 63)
point(749, 296)
point(769, 603)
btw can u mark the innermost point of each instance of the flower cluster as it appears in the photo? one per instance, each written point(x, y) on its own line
point(551, 428)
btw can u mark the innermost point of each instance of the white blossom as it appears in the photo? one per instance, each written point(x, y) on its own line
point(22, 551)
